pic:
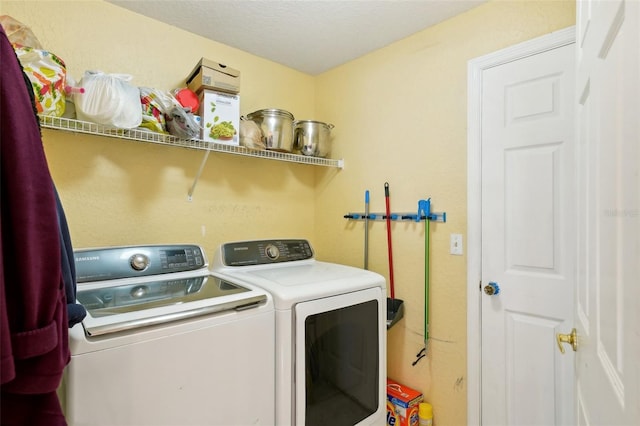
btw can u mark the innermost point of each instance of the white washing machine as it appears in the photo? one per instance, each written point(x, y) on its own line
point(330, 331)
point(166, 342)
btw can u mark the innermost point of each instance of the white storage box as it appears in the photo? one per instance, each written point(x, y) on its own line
point(220, 114)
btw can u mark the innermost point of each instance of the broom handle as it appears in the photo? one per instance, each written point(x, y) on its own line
point(386, 201)
point(426, 281)
point(366, 229)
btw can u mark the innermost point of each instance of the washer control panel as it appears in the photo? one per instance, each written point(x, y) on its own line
point(265, 252)
point(134, 261)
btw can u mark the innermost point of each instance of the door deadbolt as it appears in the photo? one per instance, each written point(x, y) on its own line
point(571, 338)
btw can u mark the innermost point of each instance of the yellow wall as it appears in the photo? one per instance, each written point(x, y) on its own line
point(118, 192)
point(400, 117)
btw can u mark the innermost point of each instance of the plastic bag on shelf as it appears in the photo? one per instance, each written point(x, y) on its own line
point(155, 104)
point(71, 88)
point(18, 33)
point(251, 135)
point(47, 73)
point(108, 99)
point(182, 124)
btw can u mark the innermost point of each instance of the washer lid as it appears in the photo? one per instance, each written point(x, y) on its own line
point(295, 282)
point(313, 273)
point(127, 304)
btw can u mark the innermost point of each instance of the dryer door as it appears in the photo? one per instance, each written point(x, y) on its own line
point(340, 359)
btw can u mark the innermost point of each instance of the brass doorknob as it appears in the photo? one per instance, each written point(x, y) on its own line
point(568, 338)
point(492, 289)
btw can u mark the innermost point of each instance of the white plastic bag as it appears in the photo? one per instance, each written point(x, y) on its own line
point(182, 124)
point(108, 99)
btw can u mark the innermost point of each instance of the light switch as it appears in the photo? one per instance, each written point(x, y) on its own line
point(456, 244)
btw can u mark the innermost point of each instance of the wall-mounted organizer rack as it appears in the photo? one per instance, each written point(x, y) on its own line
point(137, 135)
point(424, 212)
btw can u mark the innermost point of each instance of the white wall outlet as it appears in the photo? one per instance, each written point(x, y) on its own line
point(456, 244)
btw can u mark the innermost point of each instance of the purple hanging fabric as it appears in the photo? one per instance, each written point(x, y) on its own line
point(34, 346)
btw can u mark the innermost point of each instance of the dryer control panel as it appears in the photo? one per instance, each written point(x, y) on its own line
point(133, 261)
point(263, 252)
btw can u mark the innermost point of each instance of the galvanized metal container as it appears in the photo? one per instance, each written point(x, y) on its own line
point(313, 138)
point(277, 128)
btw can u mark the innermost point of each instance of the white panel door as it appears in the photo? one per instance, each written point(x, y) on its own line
point(527, 249)
point(608, 215)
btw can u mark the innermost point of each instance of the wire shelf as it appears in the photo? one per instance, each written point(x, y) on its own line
point(77, 126)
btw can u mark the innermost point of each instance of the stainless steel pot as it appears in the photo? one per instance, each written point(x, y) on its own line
point(313, 138)
point(277, 128)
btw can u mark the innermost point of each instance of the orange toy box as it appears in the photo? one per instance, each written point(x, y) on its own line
point(402, 404)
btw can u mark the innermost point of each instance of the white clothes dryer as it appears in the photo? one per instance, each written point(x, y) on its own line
point(330, 331)
point(166, 342)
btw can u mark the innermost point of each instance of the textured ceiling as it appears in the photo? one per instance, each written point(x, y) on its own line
point(309, 36)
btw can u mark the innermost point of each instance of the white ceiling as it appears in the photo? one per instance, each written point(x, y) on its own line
point(306, 35)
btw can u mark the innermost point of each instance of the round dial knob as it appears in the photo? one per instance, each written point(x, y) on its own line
point(272, 252)
point(492, 289)
point(139, 262)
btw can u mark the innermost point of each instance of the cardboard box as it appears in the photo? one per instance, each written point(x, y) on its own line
point(220, 117)
point(402, 404)
point(212, 75)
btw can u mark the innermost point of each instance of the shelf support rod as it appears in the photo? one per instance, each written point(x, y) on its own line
point(195, 182)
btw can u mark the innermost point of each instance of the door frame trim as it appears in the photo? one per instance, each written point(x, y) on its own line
point(475, 69)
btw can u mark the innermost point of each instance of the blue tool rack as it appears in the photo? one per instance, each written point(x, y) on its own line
point(424, 212)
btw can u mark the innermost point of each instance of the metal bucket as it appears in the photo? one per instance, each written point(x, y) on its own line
point(313, 138)
point(277, 128)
